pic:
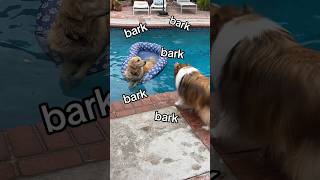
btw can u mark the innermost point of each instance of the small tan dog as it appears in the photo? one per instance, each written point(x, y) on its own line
point(79, 36)
point(137, 68)
point(193, 90)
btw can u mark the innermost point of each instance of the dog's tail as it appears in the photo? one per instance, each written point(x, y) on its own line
point(304, 162)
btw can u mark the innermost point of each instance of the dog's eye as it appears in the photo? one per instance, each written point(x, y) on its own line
point(138, 59)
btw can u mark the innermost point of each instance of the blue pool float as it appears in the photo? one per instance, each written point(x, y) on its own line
point(47, 12)
point(145, 50)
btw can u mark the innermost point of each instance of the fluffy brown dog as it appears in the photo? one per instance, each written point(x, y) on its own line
point(269, 86)
point(79, 36)
point(137, 68)
point(193, 89)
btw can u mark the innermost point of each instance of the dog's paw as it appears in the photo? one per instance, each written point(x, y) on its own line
point(179, 102)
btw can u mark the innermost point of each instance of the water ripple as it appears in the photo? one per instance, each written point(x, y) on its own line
point(307, 43)
point(5, 13)
point(27, 12)
point(13, 46)
point(316, 16)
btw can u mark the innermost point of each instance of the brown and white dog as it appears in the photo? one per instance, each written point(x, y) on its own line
point(269, 88)
point(193, 90)
point(137, 68)
point(79, 35)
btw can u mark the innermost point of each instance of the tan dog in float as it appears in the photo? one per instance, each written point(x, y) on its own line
point(79, 36)
point(269, 88)
point(137, 68)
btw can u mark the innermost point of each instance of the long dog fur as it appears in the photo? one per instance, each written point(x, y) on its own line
point(79, 36)
point(270, 86)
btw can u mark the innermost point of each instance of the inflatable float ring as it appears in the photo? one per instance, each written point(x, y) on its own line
point(146, 50)
point(47, 12)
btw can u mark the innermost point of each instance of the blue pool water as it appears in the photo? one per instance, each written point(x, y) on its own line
point(300, 17)
point(195, 44)
point(27, 75)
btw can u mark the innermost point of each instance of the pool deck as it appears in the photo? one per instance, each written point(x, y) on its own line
point(143, 147)
point(126, 18)
point(119, 110)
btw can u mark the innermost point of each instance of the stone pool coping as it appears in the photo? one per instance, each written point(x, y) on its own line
point(27, 151)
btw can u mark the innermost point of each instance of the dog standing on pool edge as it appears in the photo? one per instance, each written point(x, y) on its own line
point(193, 90)
point(137, 68)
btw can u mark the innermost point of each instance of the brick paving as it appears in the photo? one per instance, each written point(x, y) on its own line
point(29, 150)
point(88, 133)
point(24, 141)
point(7, 170)
point(49, 161)
point(4, 152)
point(56, 141)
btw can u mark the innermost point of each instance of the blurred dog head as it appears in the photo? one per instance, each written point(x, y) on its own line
point(221, 15)
point(84, 9)
point(136, 61)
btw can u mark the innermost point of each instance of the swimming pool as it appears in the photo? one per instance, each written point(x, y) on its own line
point(300, 17)
point(27, 75)
point(195, 44)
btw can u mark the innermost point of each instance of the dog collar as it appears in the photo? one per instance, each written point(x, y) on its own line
point(182, 72)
